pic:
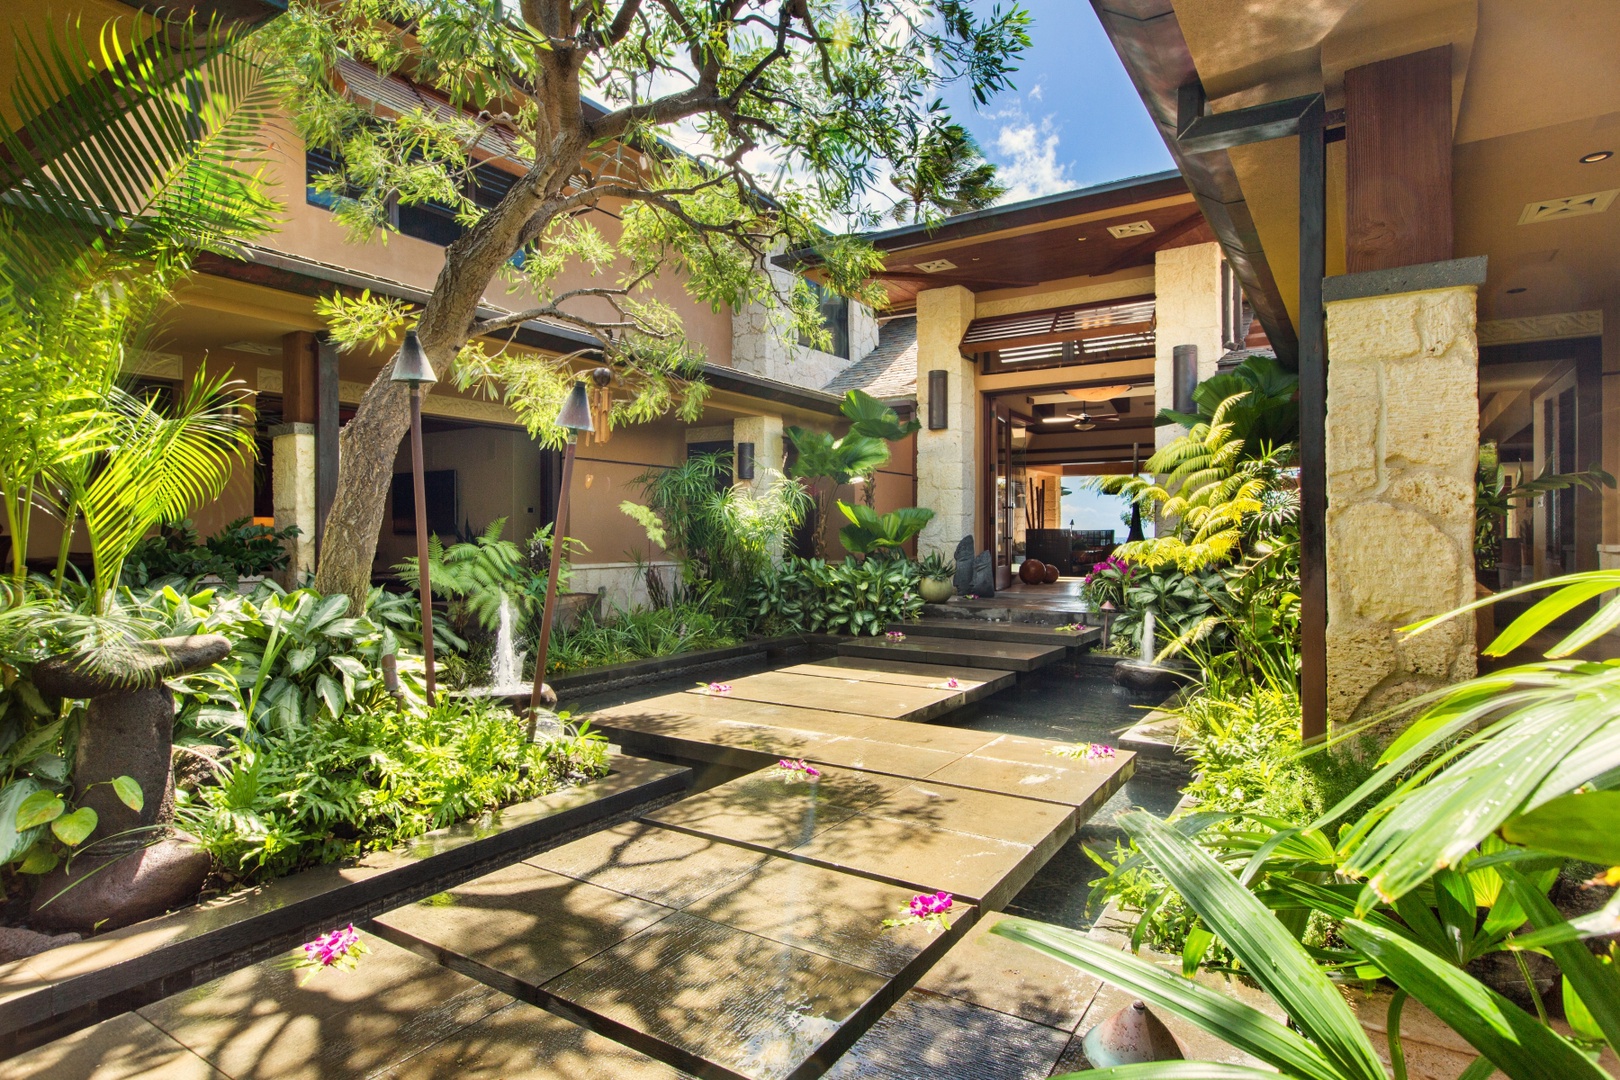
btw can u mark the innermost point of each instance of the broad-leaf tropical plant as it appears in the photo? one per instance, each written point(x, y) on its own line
point(869, 532)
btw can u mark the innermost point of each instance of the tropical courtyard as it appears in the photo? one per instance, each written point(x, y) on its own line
point(809, 783)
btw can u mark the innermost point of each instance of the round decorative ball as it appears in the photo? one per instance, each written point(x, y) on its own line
point(1033, 572)
point(1051, 574)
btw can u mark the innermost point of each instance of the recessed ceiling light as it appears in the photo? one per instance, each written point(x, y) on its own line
point(1596, 156)
point(1516, 290)
point(1130, 228)
point(934, 266)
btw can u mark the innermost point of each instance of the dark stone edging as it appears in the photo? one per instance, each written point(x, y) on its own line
point(1448, 274)
point(633, 672)
point(55, 993)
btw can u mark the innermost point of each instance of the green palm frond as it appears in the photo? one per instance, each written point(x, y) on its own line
point(143, 144)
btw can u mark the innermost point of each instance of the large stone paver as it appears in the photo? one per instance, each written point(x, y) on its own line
point(122, 1048)
point(996, 973)
point(889, 700)
point(929, 1037)
point(957, 652)
point(665, 866)
point(973, 682)
point(395, 1014)
point(519, 926)
point(720, 997)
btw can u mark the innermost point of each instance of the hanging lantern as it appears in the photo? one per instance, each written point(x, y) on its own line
point(602, 403)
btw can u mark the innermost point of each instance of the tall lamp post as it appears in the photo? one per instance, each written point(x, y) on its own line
point(574, 418)
point(411, 367)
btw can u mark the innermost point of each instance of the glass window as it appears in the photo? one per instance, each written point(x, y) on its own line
point(834, 316)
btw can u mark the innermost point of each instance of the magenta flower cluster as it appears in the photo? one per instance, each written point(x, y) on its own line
point(1113, 562)
point(925, 904)
point(1089, 751)
point(952, 684)
point(719, 688)
point(895, 635)
point(794, 769)
point(339, 949)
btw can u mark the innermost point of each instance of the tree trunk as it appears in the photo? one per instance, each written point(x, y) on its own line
point(366, 452)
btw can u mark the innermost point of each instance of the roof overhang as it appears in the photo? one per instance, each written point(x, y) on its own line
point(1150, 43)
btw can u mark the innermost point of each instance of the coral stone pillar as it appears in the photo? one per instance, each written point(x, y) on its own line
point(765, 433)
point(1402, 449)
point(947, 458)
point(292, 491)
point(1187, 311)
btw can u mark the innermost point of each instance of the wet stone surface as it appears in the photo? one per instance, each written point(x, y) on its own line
point(929, 1037)
point(733, 999)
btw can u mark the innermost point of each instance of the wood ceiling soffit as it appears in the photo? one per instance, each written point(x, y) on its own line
point(1150, 43)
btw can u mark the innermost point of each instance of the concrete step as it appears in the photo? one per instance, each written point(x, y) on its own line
point(980, 630)
point(961, 652)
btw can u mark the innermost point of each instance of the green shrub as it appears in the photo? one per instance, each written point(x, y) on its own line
point(637, 635)
point(851, 597)
point(240, 549)
point(376, 776)
point(295, 656)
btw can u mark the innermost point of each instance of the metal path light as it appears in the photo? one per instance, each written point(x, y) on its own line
point(574, 418)
point(411, 367)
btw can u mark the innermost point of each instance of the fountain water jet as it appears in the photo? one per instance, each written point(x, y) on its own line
point(506, 673)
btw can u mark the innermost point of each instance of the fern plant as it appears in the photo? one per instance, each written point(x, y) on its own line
point(474, 576)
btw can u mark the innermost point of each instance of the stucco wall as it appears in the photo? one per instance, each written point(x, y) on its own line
point(1402, 449)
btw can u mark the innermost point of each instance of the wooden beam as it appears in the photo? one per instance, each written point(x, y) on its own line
point(326, 432)
point(1398, 161)
point(298, 377)
point(1256, 123)
point(1312, 424)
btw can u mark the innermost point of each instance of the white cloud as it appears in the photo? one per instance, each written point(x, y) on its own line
point(1028, 163)
point(1037, 92)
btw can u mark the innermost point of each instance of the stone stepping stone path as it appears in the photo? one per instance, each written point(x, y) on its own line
point(976, 651)
point(735, 934)
point(985, 630)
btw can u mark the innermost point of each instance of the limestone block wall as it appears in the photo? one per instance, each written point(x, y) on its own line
point(1402, 448)
point(946, 460)
point(292, 492)
point(760, 345)
point(621, 584)
point(1187, 289)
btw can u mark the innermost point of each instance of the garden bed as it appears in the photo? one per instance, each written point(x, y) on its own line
point(54, 993)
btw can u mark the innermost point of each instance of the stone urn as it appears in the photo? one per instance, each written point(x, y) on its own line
point(936, 590)
point(128, 731)
point(1145, 676)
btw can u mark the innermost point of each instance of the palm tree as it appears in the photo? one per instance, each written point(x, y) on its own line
point(130, 158)
point(944, 173)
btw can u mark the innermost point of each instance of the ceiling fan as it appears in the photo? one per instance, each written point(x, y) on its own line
point(1084, 421)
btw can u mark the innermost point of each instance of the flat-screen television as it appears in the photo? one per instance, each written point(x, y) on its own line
point(440, 486)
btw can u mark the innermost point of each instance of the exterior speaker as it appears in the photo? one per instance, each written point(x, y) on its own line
point(939, 405)
point(745, 461)
point(1184, 376)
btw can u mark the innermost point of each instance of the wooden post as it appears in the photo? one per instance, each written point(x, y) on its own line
point(1312, 423)
point(558, 548)
point(425, 586)
point(326, 432)
point(1397, 124)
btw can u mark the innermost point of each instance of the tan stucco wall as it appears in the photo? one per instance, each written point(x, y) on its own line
point(1402, 449)
point(947, 460)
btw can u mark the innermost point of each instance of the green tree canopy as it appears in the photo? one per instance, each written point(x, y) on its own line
point(787, 113)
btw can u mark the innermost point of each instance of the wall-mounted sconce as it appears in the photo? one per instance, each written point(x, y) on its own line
point(1184, 377)
point(745, 461)
point(938, 400)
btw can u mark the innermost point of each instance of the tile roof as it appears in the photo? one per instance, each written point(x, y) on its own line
point(888, 371)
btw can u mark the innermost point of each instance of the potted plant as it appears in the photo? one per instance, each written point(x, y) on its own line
point(938, 578)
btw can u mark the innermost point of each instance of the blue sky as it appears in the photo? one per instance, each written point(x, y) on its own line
point(1073, 120)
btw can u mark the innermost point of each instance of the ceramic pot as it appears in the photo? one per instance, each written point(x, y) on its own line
point(936, 590)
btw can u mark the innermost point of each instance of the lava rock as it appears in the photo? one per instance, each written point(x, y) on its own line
point(964, 565)
point(1144, 676)
point(138, 665)
point(17, 943)
point(110, 891)
point(984, 576)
